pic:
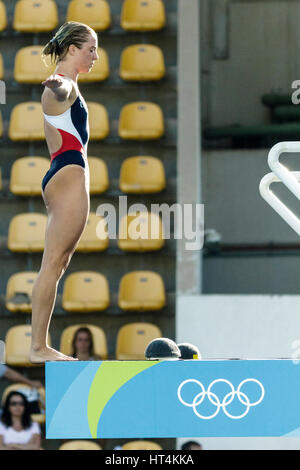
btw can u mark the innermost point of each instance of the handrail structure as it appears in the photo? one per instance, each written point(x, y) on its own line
point(280, 173)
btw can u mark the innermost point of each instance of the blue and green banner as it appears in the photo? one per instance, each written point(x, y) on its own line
point(148, 399)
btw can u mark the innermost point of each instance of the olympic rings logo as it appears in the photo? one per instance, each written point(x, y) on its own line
point(214, 399)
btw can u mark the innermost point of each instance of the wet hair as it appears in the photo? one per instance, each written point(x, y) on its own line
point(189, 351)
point(86, 330)
point(69, 33)
point(187, 445)
point(6, 414)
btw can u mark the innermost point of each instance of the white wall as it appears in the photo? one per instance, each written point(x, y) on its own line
point(239, 326)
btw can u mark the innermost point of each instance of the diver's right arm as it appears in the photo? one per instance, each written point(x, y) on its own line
point(60, 86)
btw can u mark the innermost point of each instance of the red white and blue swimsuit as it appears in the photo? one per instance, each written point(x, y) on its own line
point(73, 127)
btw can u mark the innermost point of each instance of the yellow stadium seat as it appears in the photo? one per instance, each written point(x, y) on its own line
point(142, 62)
point(133, 338)
point(143, 15)
point(27, 390)
point(142, 175)
point(29, 67)
point(1, 64)
point(26, 122)
point(3, 17)
point(80, 445)
point(17, 345)
point(33, 16)
point(99, 181)
point(141, 291)
point(99, 339)
point(26, 232)
point(141, 232)
point(95, 236)
point(85, 291)
point(100, 70)
point(98, 121)
point(27, 174)
point(19, 291)
point(140, 121)
point(141, 445)
point(94, 13)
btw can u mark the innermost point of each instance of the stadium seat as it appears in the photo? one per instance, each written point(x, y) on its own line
point(1, 182)
point(133, 338)
point(141, 174)
point(1, 65)
point(26, 122)
point(142, 62)
point(141, 445)
point(26, 232)
point(140, 121)
point(33, 16)
point(94, 13)
point(99, 339)
point(98, 121)
point(29, 393)
point(80, 445)
point(99, 181)
point(3, 17)
point(141, 232)
point(17, 345)
point(29, 67)
point(85, 291)
point(26, 175)
point(141, 291)
point(19, 291)
point(100, 70)
point(95, 236)
point(143, 15)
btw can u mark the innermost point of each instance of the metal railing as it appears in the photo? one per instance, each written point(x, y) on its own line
point(280, 173)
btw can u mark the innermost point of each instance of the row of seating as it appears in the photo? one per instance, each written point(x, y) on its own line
point(42, 15)
point(90, 445)
point(140, 231)
point(88, 291)
point(131, 342)
point(139, 62)
point(138, 174)
point(140, 120)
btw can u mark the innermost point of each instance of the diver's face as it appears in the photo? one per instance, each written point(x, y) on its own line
point(87, 55)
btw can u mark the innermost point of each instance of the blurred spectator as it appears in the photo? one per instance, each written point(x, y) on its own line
point(162, 349)
point(83, 345)
point(191, 445)
point(13, 376)
point(189, 351)
point(17, 430)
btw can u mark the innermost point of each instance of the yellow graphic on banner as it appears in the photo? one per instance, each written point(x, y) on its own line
point(108, 380)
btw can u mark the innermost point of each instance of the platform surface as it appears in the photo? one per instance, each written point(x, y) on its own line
point(148, 399)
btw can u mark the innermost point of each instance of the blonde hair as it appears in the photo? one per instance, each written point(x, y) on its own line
point(69, 33)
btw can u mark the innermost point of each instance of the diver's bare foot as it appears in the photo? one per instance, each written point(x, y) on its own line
point(48, 354)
